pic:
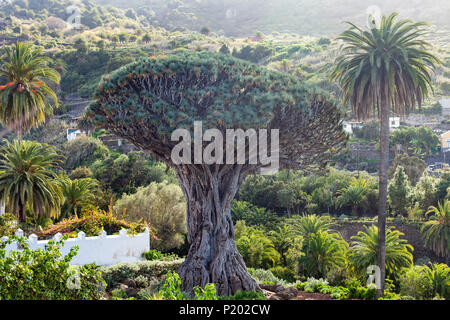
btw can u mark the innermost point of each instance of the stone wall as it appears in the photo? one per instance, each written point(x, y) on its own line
point(411, 231)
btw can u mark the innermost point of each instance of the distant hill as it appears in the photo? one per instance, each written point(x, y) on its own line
point(304, 17)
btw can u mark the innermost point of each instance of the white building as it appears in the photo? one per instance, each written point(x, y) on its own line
point(445, 103)
point(394, 123)
point(73, 133)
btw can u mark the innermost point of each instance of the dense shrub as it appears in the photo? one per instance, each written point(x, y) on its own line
point(163, 206)
point(8, 224)
point(116, 273)
point(44, 274)
point(83, 151)
point(265, 277)
point(252, 215)
point(158, 255)
point(415, 283)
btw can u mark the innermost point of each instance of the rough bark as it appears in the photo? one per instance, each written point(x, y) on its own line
point(383, 184)
point(213, 256)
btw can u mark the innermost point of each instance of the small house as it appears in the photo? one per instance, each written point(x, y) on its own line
point(73, 134)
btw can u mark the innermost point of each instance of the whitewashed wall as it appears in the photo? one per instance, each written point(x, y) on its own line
point(103, 250)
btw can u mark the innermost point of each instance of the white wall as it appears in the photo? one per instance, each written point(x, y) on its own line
point(103, 250)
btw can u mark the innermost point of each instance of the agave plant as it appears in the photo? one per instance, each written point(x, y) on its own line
point(436, 231)
point(364, 247)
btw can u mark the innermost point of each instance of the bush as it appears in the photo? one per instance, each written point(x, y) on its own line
point(265, 276)
point(415, 283)
point(8, 225)
point(284, 273)
point(83, 151)
point(158, 255)
point(44, 274)
point(119, 272)
point(92, 222)
point(246, 295)
point(163, 206)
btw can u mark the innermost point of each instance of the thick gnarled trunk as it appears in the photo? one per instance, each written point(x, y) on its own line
point(213, 256)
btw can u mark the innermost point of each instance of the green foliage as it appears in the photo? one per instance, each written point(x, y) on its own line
point(25, 98)
point(206, 293)
point(252, 215)
point(27, 179)
point(152, 255)
point(364, 246)
point(78, 194)
point(420, 140)
point(323, 251)
point(36, 280)
point(308, 225)
point(245, 295)
point(92, 221)
point(163, 206)
point(436, 231)
point(8, 225)
point(125, 173)
point(83, 151)
point(115, 274)
point(399, 192)
point(369, 131)
point(414, 167)
point(415, 283)
point(171, 288)
point(158, 255)
point(265, 276)
point(257, 250)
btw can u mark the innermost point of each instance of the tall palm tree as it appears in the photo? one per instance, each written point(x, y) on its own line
point(24, 99)
point(354, 194)
point(384, 69)
point(27, 179)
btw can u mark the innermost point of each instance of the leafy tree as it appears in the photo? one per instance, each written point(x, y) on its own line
point(223, 93)
point(205, 30)
point(425, 193)
point(414, 167)
point(420, 140)
point(83, 151)
point(399, 191)
point(436, 231)
point(369, 131)
point(27, 179)
point(24, 100)
point(364, 248)
point(384, 69)
point(162, 206)
point(252, 215)
point(224, 49)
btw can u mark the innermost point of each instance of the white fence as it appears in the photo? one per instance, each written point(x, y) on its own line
point(103, 250)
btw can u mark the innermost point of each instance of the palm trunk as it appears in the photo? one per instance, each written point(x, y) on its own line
point(383, 183)
point(22, 213)
point(213, 256)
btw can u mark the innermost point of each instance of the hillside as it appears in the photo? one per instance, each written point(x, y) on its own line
point(304, 17)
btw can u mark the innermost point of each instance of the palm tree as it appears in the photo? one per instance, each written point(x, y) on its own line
point(364, 250)
point(354, 194)
point(27, 179)
point(382, 69)
point(308, 225)
point(24, 101)
point(436, 231)
point(77, 194)
point(282, 239)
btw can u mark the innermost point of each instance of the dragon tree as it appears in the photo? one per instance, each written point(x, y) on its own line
point(146, 101)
